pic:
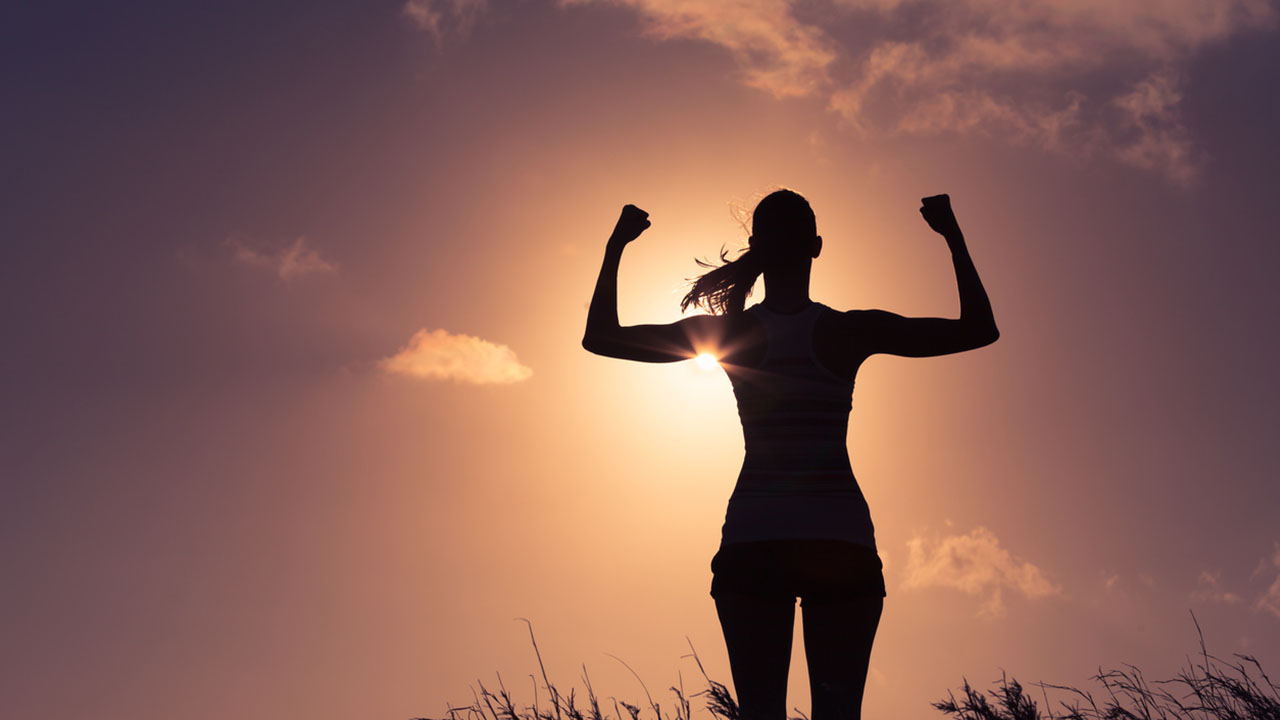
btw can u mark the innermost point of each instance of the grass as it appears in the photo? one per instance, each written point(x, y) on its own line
point(489, 705)
point(1209, 688)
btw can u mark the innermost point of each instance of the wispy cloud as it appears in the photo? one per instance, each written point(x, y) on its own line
point(289, 262)
point(439, 18)
point(1270, 598)
point(1157, 138)
point(1072, 76)
point(776, 51)
point(440, 355)
point(976, 564)
point(1209, 590)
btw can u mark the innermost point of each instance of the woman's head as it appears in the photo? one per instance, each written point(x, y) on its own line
point(783, 228)
point(784, 234)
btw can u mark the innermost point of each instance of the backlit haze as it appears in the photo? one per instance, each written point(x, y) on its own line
point(295, 419)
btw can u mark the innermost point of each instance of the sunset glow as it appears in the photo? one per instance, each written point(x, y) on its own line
point(297, 417)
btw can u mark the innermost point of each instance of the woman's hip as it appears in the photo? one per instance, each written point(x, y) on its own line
point(813, 569)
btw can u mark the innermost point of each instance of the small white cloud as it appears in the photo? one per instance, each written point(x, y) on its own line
point(289, 262)
point(975, 564)
point(1209, 590)
point(440, 355)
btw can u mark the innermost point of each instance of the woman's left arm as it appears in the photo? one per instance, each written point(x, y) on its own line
point(646, 343)
point(976, 317)
point(887, 332)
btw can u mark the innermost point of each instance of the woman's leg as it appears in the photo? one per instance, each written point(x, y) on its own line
point(837, 648)
point(757, 633)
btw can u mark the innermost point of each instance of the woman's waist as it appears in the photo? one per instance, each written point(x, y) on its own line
point(825, 554)
point(796, 458)
point(753, 516)
point(813, 481)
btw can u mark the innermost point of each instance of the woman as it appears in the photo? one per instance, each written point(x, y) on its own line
point(797, 524)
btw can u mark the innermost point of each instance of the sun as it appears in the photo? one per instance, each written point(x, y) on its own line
point(707, 361)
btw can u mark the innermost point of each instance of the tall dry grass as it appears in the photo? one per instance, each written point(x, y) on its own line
point(1209, 688)
point(490, 705)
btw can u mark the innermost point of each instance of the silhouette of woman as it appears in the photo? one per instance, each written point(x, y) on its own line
point(797, 524)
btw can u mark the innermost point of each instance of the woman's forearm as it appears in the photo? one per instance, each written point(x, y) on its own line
point(602, 317)
point(975, 306)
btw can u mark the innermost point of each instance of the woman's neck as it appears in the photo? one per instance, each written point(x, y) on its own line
point(787, 290)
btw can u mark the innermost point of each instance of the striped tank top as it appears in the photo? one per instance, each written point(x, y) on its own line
point(796, 479)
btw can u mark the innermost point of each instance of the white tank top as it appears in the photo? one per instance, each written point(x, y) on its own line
point(796, 480)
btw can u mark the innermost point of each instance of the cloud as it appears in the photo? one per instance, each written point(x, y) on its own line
point(1077, 77)
point(289, 262)
point(976, 565)
point(1209, 590)
point(1270, 598)
point(440, 355)
point(438, 18)
point(1160, 142)
point(775, 51)
point(1080, 77)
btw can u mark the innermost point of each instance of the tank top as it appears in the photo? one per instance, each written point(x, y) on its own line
point(796, 480)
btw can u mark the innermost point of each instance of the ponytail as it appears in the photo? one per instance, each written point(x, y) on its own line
point(724, 289)
point(782, 231)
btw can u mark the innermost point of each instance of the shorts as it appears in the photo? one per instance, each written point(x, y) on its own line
point(817, 570)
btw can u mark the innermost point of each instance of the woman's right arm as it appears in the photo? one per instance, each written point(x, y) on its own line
point(886, 332)
point(604, 335)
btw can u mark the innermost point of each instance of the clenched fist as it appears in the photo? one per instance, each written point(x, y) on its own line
point(937, 212)
point(631, 223)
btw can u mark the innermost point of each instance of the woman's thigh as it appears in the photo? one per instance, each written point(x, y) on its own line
point(841, 587)
point(757, 634)
point(837, 643)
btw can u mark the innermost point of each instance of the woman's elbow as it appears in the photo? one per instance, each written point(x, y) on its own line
point(597, 345)
point(989, 335)
point(979, 335)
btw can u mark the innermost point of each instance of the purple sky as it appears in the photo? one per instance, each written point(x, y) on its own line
point(295, 417)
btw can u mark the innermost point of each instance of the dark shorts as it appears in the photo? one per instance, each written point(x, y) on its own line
point(816, 570)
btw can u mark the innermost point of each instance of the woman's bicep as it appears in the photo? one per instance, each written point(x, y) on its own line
point(893, 334)
point(670, 342)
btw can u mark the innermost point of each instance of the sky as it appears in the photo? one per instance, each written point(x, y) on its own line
point(296, 421)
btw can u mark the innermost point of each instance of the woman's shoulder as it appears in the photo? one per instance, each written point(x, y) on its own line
point(852, 319)
point(742, 336)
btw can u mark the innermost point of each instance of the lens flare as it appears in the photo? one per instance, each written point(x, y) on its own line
point(707, 361)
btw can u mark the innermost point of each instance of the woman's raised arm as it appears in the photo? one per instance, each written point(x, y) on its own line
point(886, 332)
point(645, 343)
